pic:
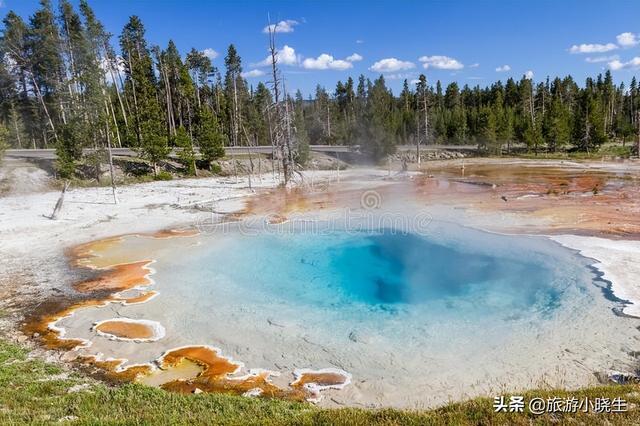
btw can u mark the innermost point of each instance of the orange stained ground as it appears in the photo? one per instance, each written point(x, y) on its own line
point(118, 278)
point(126, 329)
point(216, 371)
point(319, 378)
point(581, 200)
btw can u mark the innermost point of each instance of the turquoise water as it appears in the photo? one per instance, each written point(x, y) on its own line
point(380, 269)
point(452, 272)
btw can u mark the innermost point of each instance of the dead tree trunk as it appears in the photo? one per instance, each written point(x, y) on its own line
point(248, 145)
point(279, 130)
point(287, 140)
point(115, 122)
point(425, 110)
point(235, 124)
point(58, 206)
point(113, 180)
point(273, 146)
point(638, 124)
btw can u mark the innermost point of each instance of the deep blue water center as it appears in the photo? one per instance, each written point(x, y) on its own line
point(393, 268)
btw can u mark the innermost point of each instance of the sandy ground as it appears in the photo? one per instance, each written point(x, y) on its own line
point(32, 246)
point(22, 177)
point(541, 200)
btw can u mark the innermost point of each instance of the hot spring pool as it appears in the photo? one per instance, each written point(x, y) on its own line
point(416, 319)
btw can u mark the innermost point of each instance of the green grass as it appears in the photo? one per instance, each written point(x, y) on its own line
point(35, 392)
point(607, 151)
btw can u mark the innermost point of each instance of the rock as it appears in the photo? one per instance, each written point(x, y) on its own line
point(22, 338)
point(197, 391)
point(623, 378)
point(36, 335)
point(68, 356)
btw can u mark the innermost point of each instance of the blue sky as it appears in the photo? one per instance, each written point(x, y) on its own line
point(465, 41)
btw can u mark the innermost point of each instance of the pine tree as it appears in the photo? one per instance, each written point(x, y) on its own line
point(47, 66)
point(186, 154)
point(259, 125)
point(557, 126)
point(505, 127)
point(4, 134)
point(151, 138)
point(488, 131)
point(200, 67)
point(208, 136)
point(17, 46)
point(589, 129)
point(301, 135)
point(382, 138)
point(69, 147)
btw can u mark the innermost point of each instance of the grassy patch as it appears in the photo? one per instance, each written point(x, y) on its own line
point(34, 392)
point(607, 151)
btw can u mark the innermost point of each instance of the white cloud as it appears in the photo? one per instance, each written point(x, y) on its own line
point(592, 48)
point(476, 65)
point(528, 74)
point(210, 53)
point(252, 74)
point(285, 56)
point(359, 41)
point(628, 39)
point(616, 65)
point(353, 58)
point(441, 62)
point(326, 62)
point(285, 26)
point(503, 68)
point(391, 65)
point(399, 76)
point(414, 81)
point(598, 59)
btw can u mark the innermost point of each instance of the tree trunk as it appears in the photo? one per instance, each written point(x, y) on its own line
point(15, 125)
point(638, 124)
point(113, 180)
point(113, 77)
point(249, 153)
point(115, 122)
point(44, 105)
point(58, 206)
point(135, 103)
point(235, 125)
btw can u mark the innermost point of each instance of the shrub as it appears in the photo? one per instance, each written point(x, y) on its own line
point(216, 168)
point(163, 175)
